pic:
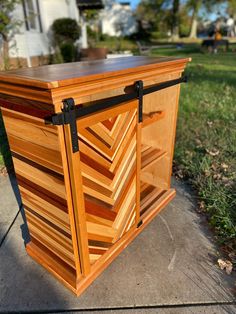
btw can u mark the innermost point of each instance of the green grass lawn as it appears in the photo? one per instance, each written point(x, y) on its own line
point(206, 135)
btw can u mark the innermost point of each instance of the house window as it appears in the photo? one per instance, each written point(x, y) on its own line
point(32, 15)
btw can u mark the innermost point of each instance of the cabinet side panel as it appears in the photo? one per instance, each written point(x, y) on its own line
point(160, 135)
point(39, 170)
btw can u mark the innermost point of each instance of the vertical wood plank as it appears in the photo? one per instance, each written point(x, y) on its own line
point(69, 199)
point(78, 201)
point(174, 123)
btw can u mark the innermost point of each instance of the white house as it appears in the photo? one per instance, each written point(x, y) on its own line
point(117, 19)
point(32, 43)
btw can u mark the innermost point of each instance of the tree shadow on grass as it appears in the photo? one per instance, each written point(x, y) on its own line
point(201, 75)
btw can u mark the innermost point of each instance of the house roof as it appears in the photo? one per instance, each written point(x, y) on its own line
point(90, 4)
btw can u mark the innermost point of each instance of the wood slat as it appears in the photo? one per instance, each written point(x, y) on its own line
point(48, 181)
point(150, 155)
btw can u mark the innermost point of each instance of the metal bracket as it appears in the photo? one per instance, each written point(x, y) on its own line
point(139, 90)
point(68, 116)
point(70, 112)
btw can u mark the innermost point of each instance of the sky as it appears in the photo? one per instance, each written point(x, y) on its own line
point(211, 16)
point(134, 3)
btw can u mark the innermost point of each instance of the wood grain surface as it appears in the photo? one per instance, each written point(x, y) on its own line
point(39, 170)
point(84, 208)
point(58, 75)
point(108, 165)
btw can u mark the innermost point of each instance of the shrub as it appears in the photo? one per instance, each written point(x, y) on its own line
point(68, 51)
point(66, 31)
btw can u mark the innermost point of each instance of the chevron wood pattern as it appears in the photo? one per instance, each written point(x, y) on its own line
point(108, 166)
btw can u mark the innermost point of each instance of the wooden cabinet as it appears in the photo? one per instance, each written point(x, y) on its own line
point(92, 145)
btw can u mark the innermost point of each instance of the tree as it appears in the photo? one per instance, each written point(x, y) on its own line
point(149, 15)
point(66, 31)
point(232, 8)
point(160, 16)
point(195, 5)
point(175, 19)
point(8, 25)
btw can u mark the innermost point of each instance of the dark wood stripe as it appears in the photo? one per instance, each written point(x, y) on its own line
point(146, 191)
point(96, 237)
point(152, 202)
point(39, 167)
point(29, 119)
point(99, 243)
point(36, 153)
point(95, 208)
point(45, 194)
point(109, 123)
point(95, 165)
point(47, 221)
point(96, 187)
point(42, 232)
point(93, 148)
point(98, 137)
point(25, 106)
point(96, 251)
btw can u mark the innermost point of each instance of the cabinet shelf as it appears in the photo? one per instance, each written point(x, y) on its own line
point(150, 155)
point(151, 117)
point(152, 198)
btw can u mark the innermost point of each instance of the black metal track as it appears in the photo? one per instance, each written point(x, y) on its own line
point(70, 112)
point(80, 111)
point(117, 100)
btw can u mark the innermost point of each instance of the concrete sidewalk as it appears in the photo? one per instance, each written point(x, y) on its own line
point(169, 268)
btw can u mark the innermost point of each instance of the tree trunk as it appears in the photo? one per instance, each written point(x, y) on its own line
point(194, 22)
point(193, 31)
point(175, 20)
point(84, 35)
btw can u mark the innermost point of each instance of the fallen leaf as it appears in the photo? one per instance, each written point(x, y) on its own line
point(3, 171)
point(214, 167)
point(224, 166)
point(213, 152)
point(225, 179)
point(207, 173)
point(217, 176)
point(198, 142)
point(227, 265)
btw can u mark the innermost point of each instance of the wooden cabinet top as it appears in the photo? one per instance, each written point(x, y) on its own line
point(59, 75)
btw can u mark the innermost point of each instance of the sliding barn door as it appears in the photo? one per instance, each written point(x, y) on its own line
point(108, 167)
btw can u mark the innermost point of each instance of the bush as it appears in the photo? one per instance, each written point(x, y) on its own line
point(68, 52)
point(65, 29)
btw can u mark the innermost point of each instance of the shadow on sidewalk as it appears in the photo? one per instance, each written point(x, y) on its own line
point(6, 155)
